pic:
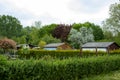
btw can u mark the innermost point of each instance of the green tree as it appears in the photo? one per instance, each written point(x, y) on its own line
point(108, 35)
point(47, 29)
point(50, 39)
point(30, 35)
point(34, 39)
point(113, 22)
point(97, 31)
point(20, 40)
point(10, 26)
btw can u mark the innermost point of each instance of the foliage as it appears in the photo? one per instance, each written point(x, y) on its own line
point(42, 44)
point(37, 54)
point(46, 30)
point(33, 35)
point(10, 26)
point(108, 34)
point(80, 37)
point(30, 35)
point(72, 68)
point(61, 54)
point(113, 22)
point(97, 31)
point(109, 37)
point(3, 59)
point(7, 44)
point(50, 39)
point(61, 32)
point(20, 40)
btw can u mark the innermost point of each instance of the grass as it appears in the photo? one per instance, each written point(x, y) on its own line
point(110, 76)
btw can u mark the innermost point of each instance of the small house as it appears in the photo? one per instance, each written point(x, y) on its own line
point(57, 46)
point(100, 46)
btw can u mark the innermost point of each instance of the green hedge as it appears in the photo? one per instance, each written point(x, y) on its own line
point(55, 53)
point(67, 69)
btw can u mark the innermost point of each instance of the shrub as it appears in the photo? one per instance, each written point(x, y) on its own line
point(42, 44)
point(53, 53)
point(56, 53)
point(7, 44)
point(67, 69)
point(115, 52)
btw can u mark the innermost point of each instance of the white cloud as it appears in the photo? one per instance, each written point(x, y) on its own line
point(56, 11)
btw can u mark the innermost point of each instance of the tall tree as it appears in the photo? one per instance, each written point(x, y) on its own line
point(77, 38)
point(9, 26)
point(97, 31)
point(61, 32)
point(47, 30)
point(113, 22)
point(31, 35)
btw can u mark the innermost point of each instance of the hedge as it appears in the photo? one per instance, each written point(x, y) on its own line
point(67, 69)
point(55, 53)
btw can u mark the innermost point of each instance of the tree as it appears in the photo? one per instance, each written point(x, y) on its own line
point(31, 35)
point(113, 22)
point(10, 26)
point(7, 44)
point(20, 40)
point(97, 31)
point(46, 30)
point(77, 38)
point(61, 32)
point(50, 39)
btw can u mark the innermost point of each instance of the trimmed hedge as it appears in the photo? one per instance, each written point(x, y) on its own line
point(55, 53)
point(67, 69)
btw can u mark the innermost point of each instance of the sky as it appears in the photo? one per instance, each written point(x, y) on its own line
point(57, 11)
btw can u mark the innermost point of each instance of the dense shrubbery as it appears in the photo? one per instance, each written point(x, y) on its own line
point(55, 53)
point(67, 69)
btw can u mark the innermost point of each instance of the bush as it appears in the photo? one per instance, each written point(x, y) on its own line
point(7, 44)
point(115, 52)
point(3, 67)
point(55, 53)
point(67, 69)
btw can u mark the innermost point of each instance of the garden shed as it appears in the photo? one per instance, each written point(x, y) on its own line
point(57, 46)
point(100, 46)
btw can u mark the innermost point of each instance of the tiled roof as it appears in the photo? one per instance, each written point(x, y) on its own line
point(97, 44)
point(53, 45)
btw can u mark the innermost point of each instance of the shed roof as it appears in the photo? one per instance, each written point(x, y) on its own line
point(53, 45)
point(97, 44)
